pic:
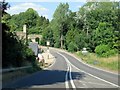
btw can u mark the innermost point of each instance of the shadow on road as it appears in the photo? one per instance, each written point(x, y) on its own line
point(46, 77)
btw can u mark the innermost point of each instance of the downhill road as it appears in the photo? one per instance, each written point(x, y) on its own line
point(67, 72)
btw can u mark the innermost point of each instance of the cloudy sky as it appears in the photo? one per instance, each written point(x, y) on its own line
point(43, 8)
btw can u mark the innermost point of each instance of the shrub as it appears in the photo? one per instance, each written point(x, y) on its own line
point(111, 52)
point(104, 51)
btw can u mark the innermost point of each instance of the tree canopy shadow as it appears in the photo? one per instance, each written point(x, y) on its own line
point(45, 77)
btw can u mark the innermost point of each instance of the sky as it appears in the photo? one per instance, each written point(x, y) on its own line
point(43, 8)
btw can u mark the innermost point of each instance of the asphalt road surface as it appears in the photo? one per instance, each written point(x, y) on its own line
point(67, 72)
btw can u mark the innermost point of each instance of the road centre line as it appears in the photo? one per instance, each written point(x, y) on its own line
point(66, 78)
point(71, 81)
point(89, 73)
point(68, 64)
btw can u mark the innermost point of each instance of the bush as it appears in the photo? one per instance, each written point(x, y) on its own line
point(104, 51)
point(111, 52)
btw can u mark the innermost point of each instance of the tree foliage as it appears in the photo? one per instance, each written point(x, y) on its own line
point(35, 23)
point(59, 23)
point(15, 52)
point(94, 26)
point(95, 23)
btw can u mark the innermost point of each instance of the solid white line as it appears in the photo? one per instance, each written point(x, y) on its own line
point(92, 66)
point(71, 81)
point(89, 73)
point(84, 62)
point(96, 77)
point(66, 79)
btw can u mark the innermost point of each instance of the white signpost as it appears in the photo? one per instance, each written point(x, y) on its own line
point(24, 28)
point(84, 51)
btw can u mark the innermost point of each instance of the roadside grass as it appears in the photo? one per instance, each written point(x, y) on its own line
point(110, 63)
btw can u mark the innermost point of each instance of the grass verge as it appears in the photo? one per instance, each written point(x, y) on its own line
point(110, 63)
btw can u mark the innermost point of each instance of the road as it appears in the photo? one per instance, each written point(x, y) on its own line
point(67, 72)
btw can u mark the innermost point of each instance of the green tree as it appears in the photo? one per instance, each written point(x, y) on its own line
point(35, 23)
point(15, 53)
point(47, 35)
point(59, 24)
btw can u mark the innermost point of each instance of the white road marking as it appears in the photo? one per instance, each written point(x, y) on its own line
point(91, 66)
point(84, 62)
point(96, 77)
point(66, 78)
point(71, 81)
point(89, 73)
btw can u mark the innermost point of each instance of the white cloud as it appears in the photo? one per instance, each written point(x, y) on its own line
point(24, 6)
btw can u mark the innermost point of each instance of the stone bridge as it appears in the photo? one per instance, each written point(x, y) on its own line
point(32, 37)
